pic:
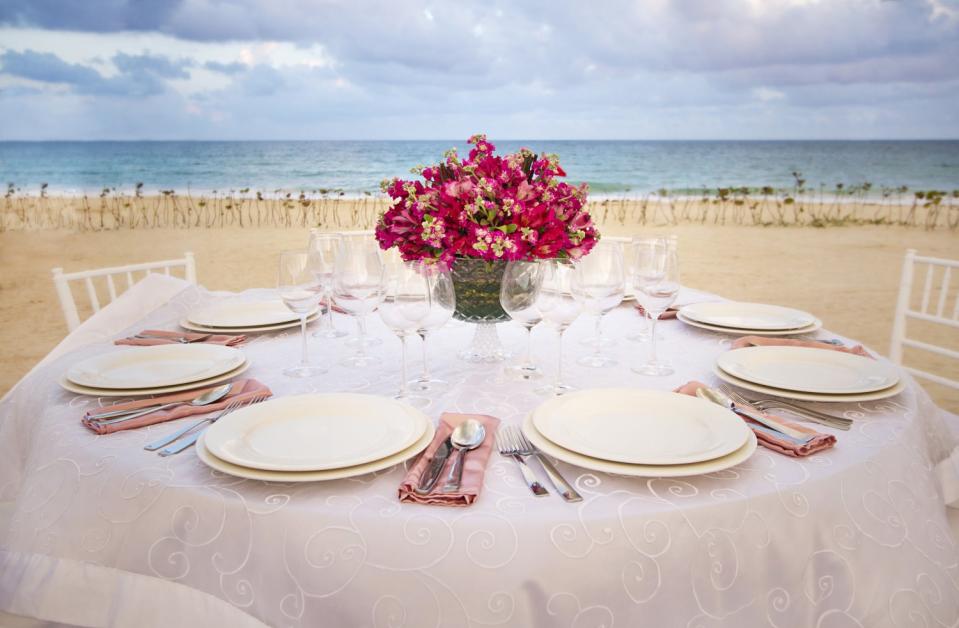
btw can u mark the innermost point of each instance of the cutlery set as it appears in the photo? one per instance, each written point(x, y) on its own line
point(512, 443)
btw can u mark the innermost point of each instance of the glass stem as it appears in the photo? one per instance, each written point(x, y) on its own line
point(426, 363)
point(652, 337)
point(361, 327)
point(559, 362)
point(599, 334)
point(403, 366)
point(329, 309)
point(306, 358)
point(529, 346)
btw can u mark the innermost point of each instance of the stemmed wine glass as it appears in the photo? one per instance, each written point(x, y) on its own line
point(559, 302)
point(600, 281)
point(405, 305)
point(358, 287)
point(656, 280)
point(322, 250)
point(518, 293)
point(442, 304)
point(298, 288)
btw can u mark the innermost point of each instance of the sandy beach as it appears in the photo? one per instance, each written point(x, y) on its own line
point(846, 275)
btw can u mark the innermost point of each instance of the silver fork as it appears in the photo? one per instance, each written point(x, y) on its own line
point(829, 420)
point(528, 449)
point(508, 447)
point(236, 404)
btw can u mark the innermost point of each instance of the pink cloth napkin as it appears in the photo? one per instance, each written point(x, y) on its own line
point(668, 314)
point(474, 465)
point(763, 341)
point(213, 339)
point(243, 390)
point(780, 445)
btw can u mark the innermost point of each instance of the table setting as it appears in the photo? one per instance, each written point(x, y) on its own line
point(563, 457)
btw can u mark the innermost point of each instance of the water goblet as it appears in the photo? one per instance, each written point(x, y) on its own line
point(442, 303)
point(601, 280)
point(299, 290)
point(656, 279)
point(518, 292)
point(405, 306)
point(322, 250)
point(559, 302)
point(358, 288)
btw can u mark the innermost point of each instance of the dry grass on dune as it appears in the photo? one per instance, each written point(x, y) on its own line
point(848, 276)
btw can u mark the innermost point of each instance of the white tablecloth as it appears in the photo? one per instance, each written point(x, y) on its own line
point(104, 533)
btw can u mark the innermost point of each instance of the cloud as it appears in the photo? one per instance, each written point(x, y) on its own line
point(225, 68)
point(48, 68)
point(152, 64)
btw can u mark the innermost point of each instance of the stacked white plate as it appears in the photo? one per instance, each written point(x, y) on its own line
point(640, 432)
point(151, 370)
point(240, 317)
point(748, 318)
point(809, 374)
point(307, 438)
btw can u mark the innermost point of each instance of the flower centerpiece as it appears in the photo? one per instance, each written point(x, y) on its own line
point(476, 214)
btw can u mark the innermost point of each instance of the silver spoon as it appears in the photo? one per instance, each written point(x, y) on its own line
point(211, 396)
point(467, 436)
point(718, 397)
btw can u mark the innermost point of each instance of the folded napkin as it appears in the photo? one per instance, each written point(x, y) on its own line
point(169, 338)
point(780, 445)
point(474, 465)
point(243, 390)
point(669, 313)
point(763, 341)
point(336, 308)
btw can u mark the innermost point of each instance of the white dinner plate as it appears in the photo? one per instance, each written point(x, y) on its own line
point(185, 324)
point(737, 315)
point(244, 314)
point(636, 426)
point(807, 369)
point(315, 432)
point(892, 391)
point(750, 332)
point(154, 366)
point(642, 470)
point(313, 476)
point(134, 392)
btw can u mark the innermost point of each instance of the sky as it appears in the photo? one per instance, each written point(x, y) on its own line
point(432, 69)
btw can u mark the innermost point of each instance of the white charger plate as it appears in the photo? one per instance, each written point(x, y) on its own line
point(154, 366)
point(185, 324)
point(134, 392)
point(633, 426)
point(232, 314)
point(750, 332)
point(808, 369)
point(801, 396)
point(315, 432)
point(641, 470)
point(312, 476)
point(738, 315)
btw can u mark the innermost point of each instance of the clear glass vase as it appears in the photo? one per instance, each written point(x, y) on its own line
point(477, 285)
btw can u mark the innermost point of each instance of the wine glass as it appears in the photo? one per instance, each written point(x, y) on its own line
point(600, 281)
point(559, 303)
point(656, 279)
point(299, 289)
point(358, 287)
point(517, 295)
point(322, 250)
point(442, 303)
point(405, 306)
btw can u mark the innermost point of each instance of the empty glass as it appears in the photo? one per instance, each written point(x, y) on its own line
point(559, 302)
point(405, 305)
point(656, 281)
point(358, 287)
point(442, 303)
point(518, 293)
point(322, 250)
point(299, 290)
point(601, 285)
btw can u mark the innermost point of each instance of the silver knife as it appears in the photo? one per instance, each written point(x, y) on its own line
point(432, 474)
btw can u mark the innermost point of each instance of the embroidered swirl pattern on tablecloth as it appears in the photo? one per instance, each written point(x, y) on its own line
point(855, 536)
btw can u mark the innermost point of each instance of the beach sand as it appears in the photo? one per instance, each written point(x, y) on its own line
point(847, 275)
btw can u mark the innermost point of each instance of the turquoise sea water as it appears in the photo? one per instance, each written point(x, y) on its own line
point(612, 168)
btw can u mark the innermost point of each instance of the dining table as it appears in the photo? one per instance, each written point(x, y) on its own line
point(96, 531)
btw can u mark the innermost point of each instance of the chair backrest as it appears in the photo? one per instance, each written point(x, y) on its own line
point(61, 282)
point(934, 308)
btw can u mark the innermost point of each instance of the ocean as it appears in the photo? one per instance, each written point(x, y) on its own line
point(612, 168)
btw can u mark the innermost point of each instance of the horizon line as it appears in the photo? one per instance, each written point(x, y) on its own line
point(507, 139)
